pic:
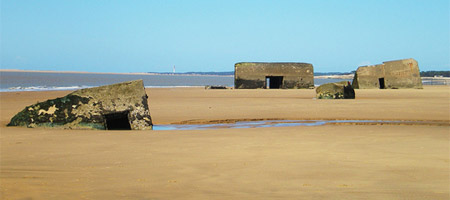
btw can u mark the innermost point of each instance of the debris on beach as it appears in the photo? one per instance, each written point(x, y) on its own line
point(208, 87)
point(389, 75)
point(339, 90)
point(253, 75)
point(121, 106)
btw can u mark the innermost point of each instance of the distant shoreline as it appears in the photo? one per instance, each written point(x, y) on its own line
point(331, 76)
point(115, 73)
point(348, 76)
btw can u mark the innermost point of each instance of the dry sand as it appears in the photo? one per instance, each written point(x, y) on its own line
point(320, 162)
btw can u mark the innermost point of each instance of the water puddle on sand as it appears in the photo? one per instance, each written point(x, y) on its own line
point(286, 123)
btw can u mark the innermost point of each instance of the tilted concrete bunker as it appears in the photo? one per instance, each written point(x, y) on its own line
point(121, 106)
point(389, 75)
point(252, 75)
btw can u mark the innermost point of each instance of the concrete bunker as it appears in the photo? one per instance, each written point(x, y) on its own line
point(253, 75)
point(338, 90)
point(121, 106)
point(389, 75)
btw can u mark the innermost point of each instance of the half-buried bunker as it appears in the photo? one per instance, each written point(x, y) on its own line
point(121, 106)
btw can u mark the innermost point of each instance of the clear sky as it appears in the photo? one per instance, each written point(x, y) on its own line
point(209, 35)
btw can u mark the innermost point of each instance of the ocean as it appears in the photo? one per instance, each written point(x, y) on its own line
point(41, 81)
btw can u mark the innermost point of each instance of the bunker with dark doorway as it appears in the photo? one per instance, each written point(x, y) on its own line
point(284, 75)
point(274, 82)
point(117, 121)
point(394, 74)
point(381, 82)
point(121, 106)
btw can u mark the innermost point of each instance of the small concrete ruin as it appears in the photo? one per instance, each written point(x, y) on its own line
point(389, 75)
point(339, 90)
point(213, 87)
point(121, 106)
point(253, 75)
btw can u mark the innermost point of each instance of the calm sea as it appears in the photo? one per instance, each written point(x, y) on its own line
point(37, 81)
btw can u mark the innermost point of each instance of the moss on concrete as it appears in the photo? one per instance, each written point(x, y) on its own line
point(85, 109)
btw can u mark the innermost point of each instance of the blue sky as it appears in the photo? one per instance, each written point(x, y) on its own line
point(154, 36)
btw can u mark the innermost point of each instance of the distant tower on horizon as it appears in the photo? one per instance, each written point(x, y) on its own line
point(173, 69)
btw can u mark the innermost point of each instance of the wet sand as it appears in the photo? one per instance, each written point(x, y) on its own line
point(320, 162)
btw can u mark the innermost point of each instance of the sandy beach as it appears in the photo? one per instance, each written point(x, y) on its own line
point(348, 161)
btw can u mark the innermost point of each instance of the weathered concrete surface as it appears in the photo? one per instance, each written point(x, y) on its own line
point(89, 108)
point(339, 90)
point(252, 75)
point(393, 74)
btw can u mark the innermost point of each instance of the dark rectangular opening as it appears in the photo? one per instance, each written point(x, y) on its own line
point(381, 81)
point(274, 82)
point(117, 121)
